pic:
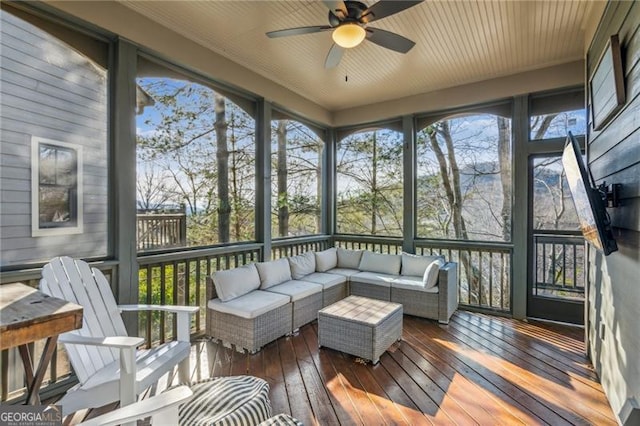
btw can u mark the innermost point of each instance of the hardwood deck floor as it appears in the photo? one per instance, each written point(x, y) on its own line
point(479, 369)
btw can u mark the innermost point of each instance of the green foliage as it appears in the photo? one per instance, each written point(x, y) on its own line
point(302, 197)
point(179, 138)
point(167, 285)
point(369, 181)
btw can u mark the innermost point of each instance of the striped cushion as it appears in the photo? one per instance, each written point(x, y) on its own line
point(227, 401)
point(282, 420)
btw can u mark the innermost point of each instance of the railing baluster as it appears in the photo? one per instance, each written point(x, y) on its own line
point(163, 300)
point(187, 286)
point(490, 279)
point(502, 287)
point(564, 264)
point(575, 261)
point(198, 290)
point(4, 360)
point(148, 313)
point(176, 301)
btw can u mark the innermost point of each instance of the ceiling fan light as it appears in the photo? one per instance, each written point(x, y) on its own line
point(348, 35)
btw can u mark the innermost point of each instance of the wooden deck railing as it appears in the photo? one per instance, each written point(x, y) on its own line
point(484, 277)
point(284, 247)
point(387, 245)
point(559, 265)
point(180, 278)
point(484, 274)
point(161, 230)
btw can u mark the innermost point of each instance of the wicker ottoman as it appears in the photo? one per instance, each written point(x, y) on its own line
point(360, 326)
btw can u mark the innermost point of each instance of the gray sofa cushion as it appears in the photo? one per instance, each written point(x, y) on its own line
point(412, 283)
point(303, 264)
point(250, 305)
point(327, 280)
point(343, 271)
point(273, 273)
point(296, 289)
point(236, 282)
point(373, 278)
point(381, 263)
point(415, 265)
point(349, 259)
point(326, 259)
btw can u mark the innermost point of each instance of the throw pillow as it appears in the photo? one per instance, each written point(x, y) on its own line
point(302, 265)
point(415, 265)
point(273, 273)
point(236, 282)
point(349, 259)
point(380, 263)
point(326, 259)
point(430, 277)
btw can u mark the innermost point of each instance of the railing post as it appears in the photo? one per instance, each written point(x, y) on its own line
point(183, 227)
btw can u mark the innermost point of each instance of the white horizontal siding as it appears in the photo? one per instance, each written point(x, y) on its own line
point(48, 90)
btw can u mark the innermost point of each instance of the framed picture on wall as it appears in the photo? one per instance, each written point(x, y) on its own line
point(606, 87)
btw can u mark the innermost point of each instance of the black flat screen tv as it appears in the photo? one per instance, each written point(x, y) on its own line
point(589, 200)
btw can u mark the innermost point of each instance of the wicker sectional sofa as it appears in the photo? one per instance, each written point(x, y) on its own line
point(254, 304)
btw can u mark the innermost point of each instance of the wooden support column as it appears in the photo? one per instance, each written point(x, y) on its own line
point(409, 184)
point(329, 184)
point(263, 177)
point(519, 265)
point(123, 176)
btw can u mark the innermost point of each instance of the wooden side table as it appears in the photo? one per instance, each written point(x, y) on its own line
point(27, 315)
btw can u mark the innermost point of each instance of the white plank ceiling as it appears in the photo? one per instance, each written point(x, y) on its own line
point(457, 42)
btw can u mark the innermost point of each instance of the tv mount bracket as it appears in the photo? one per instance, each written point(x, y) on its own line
point(610, 193)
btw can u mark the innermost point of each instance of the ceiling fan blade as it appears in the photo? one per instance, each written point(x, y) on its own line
point(336, 5)
point(389, 40)
point(334, 56)
point(298, 31)
point(385, 8)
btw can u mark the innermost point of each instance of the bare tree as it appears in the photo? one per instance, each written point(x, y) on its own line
point(222, 156)
point(206, 146)
point(152, 189)
point(283, 201)
point(504, 161)
point(369, 170)
point(297, 189)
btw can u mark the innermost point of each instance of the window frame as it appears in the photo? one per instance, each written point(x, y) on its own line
point(37, 230)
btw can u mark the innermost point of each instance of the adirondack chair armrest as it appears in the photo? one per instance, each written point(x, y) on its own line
point(119, 342)
point(184, 316)
point(127, 347)
point(162, 408)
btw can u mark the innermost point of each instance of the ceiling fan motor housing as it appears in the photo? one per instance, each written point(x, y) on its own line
point(355, 10)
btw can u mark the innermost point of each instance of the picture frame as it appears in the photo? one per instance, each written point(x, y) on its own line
point(606, 86)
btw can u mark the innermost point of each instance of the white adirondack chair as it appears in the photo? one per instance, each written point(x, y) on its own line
point(105, 359)
point(162, 408)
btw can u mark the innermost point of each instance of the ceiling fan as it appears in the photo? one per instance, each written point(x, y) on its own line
point(349, 21)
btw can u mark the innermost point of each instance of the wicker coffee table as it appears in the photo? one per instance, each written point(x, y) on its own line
point(360, 326)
